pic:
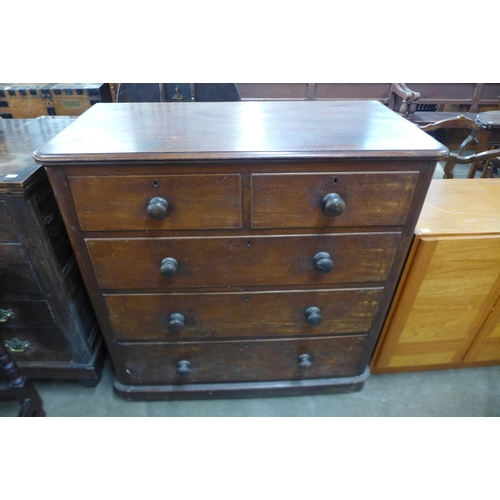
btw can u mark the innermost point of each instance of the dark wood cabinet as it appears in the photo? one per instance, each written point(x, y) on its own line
point(53, 331)
point(240, 249)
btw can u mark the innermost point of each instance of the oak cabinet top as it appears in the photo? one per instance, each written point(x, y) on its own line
point(238, 130)
point(461, 207)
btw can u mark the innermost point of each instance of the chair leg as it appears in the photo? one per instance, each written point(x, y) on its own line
point(482, 138)
point(448, 168)
point(21, 388)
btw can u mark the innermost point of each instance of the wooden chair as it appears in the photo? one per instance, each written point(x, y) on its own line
point(20, 389)
point(478, 158)
point(481, 129)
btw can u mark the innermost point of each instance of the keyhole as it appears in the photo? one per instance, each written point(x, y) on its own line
point(249, 243)
point(335, 181)
point(155, 184)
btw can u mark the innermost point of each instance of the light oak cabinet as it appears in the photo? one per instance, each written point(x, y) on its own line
point(446, 311)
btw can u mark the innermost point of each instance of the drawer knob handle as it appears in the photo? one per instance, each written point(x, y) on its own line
point(5, 315)
point(333, 205)
point(176, 322)
point(323, 262)
point(305, 361)
point(157, 208)
point(313, 316)
point(183, 368)
point(16, 345)
point(168, 267)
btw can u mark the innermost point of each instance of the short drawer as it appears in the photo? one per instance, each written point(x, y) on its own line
point(16, 273)
point(296, 200)
point(182, 316)
point(239, 361)
point(33, 345)
point(114, 203)
point(254, 260)
point(27, 313)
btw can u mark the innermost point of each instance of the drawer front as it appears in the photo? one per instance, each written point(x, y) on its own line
point(36, 345)
point(253, 314)
point(296, 200)
point(240, 361)
point(27, 313)
point(8, 232)
point(16, 271)
point(261, 260)
point(115, 203)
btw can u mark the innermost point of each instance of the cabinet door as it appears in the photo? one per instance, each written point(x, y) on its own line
point(449, 290)
point(486, 346)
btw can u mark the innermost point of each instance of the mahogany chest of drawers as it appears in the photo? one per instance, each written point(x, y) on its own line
point(243, 248)
point(52, 331)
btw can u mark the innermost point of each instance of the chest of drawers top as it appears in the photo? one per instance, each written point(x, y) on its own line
point(238, 130)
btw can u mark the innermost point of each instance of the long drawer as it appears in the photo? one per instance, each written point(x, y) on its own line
point(295, 359)
point(296, 200)
point(238, 261)
point(114, 203)
point(36, 345)
point(181, 316)
point(27, 313)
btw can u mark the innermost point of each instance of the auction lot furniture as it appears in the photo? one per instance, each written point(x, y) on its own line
point(446, 313)
point(240, 248)
point(52, 330)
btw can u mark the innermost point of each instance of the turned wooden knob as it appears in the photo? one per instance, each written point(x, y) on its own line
point(313, 316)
point(323, 262)
point(333, 205)
point(176, 322)
point(157, 208)
point(305, 361)
point(183, 368)
point(168, 267)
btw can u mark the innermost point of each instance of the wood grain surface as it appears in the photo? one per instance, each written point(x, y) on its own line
point(134, 263)
point(237, 130)
point(240, 315)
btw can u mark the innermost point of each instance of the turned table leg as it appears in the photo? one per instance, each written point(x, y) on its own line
point(20, 389)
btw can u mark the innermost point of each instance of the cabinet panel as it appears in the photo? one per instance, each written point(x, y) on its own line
point(443, 301)
point(486, 346)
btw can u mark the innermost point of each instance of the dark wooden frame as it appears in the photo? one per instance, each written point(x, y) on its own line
point(66, 342)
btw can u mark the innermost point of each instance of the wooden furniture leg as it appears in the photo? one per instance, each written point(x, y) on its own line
point(21, 389)
point(482, 138)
